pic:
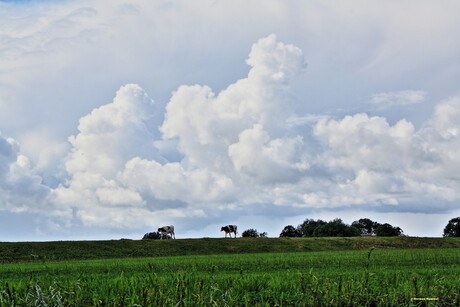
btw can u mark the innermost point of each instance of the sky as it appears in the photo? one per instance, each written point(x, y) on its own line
point(118, 117)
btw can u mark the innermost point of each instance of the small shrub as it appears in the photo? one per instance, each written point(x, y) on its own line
point(452, 228)
point(387, 230)
point(290, 231)
point(253, 233)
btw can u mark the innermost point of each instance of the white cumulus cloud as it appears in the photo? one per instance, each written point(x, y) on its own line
point(218, 155)
point(21, 190)
point(114, 162)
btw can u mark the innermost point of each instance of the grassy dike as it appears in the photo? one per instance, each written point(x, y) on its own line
point(79, 250)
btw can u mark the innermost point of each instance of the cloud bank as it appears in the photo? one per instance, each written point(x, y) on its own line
point(231, 143)
point(21, 190)
point(283, 140)
point(239, 150)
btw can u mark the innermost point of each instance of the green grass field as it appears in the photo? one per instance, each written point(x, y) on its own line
point(73, 250)
point(348, 273)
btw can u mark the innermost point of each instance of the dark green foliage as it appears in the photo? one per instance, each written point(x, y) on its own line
point(250, 233)
point(366, 226)
point(387, 230)
point(320, 228)
point(336, 228)
point(452, 228)
point(308, 227)
point(290, 232)
point(253, 233)
point(369, 227)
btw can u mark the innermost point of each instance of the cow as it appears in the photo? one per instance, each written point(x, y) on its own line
point(229, 229)
point(165, 230)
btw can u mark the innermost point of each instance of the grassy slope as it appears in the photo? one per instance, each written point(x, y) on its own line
point(67, 250)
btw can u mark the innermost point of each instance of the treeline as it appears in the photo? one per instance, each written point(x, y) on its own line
point(248, 233)
point(320, 228)
point(337, 228)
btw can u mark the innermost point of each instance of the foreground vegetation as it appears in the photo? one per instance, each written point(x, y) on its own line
point(362, 277)
point(78, 250)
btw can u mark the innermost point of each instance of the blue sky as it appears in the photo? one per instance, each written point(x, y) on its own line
point(119, 117)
